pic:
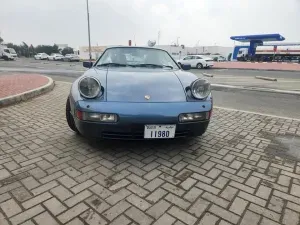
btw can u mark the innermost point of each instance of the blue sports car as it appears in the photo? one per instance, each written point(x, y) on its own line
point(138, 93)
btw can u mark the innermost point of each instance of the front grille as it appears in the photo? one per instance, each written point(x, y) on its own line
point(137, 135)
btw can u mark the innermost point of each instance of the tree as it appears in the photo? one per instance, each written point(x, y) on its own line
point(25, 49)
point(1, 40)
point(55, 49)
point(48, 49)
point(67, 50)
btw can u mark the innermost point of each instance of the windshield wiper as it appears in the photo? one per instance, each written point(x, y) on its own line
point(154, 65)
point(112, 64)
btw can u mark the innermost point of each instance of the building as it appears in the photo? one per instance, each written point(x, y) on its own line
point(178, 51)
point(62, 46)
point(83, 52)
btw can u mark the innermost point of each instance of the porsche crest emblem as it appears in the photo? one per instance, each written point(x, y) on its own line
point(147, 97)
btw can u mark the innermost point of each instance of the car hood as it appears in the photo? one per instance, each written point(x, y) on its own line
point(144, 85)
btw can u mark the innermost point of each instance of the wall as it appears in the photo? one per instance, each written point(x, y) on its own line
point(177, 51)
point(96, 51)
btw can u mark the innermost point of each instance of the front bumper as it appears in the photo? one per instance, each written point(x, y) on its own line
point(132, 118)
point(135, 131)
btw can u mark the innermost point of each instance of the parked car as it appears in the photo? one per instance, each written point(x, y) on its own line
point(41, 56)
point(71, 57)
point(117, 98)
point(55, 57)
point(219, 58)
point(197, 61)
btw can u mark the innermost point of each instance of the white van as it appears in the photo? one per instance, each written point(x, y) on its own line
point(7, 53)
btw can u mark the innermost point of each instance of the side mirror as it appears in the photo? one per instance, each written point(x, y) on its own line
point(87, 64)
point(186, 66)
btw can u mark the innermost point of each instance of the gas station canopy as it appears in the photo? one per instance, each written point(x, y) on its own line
point(258, 37)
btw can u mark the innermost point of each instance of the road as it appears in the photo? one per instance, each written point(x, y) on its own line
point(260, 102)
point(253, 73)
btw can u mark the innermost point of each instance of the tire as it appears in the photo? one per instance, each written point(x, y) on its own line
point(199, 66)
point(69, 117)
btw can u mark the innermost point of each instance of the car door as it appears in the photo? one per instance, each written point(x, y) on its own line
point(197, 60)
point(187, 60)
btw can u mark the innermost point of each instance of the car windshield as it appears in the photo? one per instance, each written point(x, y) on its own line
point(137, 57)
point(12, 51)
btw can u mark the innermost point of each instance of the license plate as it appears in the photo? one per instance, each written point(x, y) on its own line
point(159, 131)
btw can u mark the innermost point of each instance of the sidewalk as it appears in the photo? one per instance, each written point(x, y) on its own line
point(19, 87)
point(258, 66)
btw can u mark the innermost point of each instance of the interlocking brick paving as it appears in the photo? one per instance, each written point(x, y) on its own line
point(18, 83)
point(244, 170)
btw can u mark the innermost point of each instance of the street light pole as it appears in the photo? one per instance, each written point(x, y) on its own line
point(88, 20)
point(158, 36)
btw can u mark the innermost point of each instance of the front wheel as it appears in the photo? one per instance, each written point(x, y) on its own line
point(199, 66)
point(69, 117)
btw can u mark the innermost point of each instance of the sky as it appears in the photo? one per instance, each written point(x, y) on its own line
point(114, 22)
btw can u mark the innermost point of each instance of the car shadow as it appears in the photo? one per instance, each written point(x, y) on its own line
point(140, 145)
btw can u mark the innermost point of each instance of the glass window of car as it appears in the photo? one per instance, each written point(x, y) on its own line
point(12, 51)
point(198, 57)
point(6, 50)
point(135, 56)
point(188, 58)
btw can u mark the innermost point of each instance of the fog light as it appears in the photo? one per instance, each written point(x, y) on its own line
point(100, 117)
point(191, 117)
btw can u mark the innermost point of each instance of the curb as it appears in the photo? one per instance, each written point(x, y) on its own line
point(266, 78)
point(28, 94)
point(207, 75)
point(221, 68)
point(218, 87)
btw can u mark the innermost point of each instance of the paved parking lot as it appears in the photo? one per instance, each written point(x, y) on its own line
point(245, 170)
point(42, 64)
